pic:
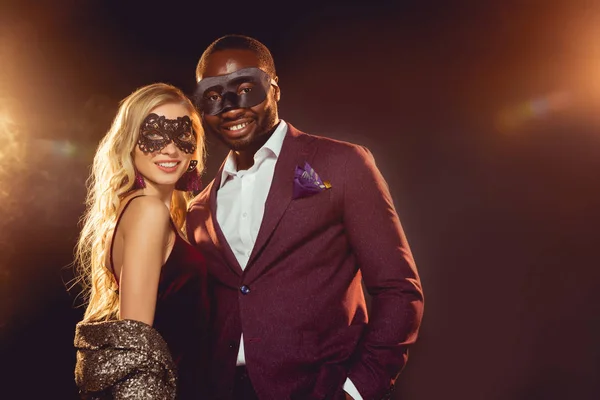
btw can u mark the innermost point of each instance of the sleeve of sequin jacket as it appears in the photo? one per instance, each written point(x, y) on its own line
point(123, 359)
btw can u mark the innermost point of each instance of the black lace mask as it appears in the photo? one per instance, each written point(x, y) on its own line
point(157, 132)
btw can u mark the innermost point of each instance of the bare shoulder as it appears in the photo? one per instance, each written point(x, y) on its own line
point(146, 213)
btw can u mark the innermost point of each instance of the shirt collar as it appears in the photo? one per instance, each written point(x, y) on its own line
point(272, 146)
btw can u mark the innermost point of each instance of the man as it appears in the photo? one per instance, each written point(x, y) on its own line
point(289, 226)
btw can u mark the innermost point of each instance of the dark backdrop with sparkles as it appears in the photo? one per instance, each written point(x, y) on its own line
point(482, 116)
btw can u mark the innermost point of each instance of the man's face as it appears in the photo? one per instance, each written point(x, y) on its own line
point(240, 128)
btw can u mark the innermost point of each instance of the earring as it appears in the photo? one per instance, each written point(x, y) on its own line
point(190, 180)
point(138, 182)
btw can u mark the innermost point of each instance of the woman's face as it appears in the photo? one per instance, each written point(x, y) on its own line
point(166, 144)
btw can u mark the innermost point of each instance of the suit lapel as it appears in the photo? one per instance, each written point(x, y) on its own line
point(294, 152)
point(214, 230)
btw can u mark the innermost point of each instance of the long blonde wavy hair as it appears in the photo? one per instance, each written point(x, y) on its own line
point(112, 179)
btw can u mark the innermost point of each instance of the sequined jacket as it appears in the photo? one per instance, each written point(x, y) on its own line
point(123, 359)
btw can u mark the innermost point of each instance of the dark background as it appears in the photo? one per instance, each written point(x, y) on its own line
point(482, 115)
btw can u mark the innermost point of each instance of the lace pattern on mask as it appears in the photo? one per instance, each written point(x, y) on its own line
point(157, 132)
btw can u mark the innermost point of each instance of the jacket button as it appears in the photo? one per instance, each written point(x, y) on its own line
point(245, 289)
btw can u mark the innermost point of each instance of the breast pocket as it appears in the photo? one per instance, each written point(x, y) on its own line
point(322, 199)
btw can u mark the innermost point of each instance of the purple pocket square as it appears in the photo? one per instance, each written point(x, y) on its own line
point(307, 182)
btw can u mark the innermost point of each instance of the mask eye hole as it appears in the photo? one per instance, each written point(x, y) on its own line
point(186, 137)
point(153, 135)
point(245, 88)
point(212, 96)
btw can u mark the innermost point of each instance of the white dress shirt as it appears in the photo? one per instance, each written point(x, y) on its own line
point(241, 199)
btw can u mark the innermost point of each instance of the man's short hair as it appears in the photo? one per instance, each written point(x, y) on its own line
point(238, 42)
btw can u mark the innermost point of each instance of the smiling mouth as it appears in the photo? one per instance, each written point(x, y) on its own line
point(170, 164)
point(237, 127)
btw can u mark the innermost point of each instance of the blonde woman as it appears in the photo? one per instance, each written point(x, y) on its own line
point(143, 334)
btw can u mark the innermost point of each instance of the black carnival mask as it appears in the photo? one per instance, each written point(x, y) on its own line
point(157, 132)
point(245, 88)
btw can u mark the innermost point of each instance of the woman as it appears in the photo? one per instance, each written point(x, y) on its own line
point(144, 328)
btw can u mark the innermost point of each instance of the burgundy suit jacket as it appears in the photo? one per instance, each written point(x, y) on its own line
point(299, 301)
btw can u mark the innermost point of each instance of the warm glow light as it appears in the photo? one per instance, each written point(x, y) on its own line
point(12, 151)
point(578, 56)
point(583, 36)
point(8, 134)
point(517, 115)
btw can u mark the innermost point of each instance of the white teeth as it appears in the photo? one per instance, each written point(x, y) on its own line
point(168, 164)
point(237, 127)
